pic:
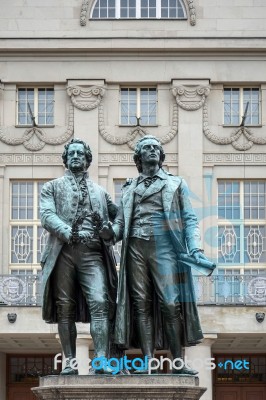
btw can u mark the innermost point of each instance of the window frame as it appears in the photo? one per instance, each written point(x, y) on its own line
point(138, 8)
point(241, 106)
point(35, 110)
point(138, 104)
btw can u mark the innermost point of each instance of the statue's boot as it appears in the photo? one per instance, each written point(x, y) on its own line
point(146, 340)
point(68, 335)
point(173, 331)
point(100, 336)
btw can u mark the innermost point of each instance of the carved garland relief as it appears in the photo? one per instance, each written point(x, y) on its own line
point(86, 3)
point(241, 132)
point(38, 134)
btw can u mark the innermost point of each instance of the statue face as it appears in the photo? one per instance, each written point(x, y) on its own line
point(76, 158)
point(150, 152)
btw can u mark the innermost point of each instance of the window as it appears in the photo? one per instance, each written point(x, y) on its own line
point(255, 373)
point(239, 100)
point(241, 222)
point(28, 238)
point(139, 9)
point(138, 102)
point(28, 368)
point(39, 101)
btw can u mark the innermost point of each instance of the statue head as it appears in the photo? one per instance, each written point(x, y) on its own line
point(140, 144)
point(75, 144)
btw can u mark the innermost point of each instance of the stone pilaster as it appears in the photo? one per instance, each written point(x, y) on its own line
point(86, 96)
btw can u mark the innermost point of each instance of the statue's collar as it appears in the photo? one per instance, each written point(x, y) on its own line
point(79, 176)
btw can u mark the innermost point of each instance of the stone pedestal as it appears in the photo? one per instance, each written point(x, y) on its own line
point(119, 387)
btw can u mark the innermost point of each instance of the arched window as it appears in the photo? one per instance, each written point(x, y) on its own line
point(139, 9)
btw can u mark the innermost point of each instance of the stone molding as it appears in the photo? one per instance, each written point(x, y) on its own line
point(236, 134)
point(85, 98)
point(31, 134)
point(190, 98)
point(136, 130)
point(31, 159)
point(234, 158)
point(191, 9)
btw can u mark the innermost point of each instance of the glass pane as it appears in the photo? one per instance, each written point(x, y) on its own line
point(255, 241)
point(229, 244)
point(229, 200)
point(21, 244)
point(231, 106)
point(128, 105)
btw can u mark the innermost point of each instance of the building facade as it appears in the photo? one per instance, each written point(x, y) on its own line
point(192, 73)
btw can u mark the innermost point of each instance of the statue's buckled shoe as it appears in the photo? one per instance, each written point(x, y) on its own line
point(185, 371)
point(69, 370)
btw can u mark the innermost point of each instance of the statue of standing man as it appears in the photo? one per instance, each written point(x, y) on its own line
point(79, 275)
point(159, 228)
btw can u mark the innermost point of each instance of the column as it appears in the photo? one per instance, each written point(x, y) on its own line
point(199, 357)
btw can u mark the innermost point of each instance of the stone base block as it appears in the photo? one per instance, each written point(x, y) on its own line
point(119, 387)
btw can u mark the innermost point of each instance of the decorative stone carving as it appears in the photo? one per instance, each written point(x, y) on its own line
point(85, 98)
point(12, 290)
point(35, 138)
point(192, 12)
point(257, 289)
point(83, 12)
point(190, 98)
point(237, 133)
point(85, 6)
point(136, 131)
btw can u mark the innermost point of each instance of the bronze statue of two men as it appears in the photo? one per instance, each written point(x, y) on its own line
point(155, 305)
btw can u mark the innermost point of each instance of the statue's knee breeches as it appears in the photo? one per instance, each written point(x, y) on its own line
point(66, 311)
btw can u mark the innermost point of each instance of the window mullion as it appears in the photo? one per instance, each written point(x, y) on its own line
point(241, 104)
point(138, 7)
point(117, 9)
point(138, 103)
point(242, 223)
point(36, 113)
point(158, 8)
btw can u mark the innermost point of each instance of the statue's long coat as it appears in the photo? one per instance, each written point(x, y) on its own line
point(183, 227)
point(58, 208)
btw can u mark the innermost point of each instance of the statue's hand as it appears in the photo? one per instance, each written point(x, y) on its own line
point(84, 236)
point(198, 255)
point(107, 232)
